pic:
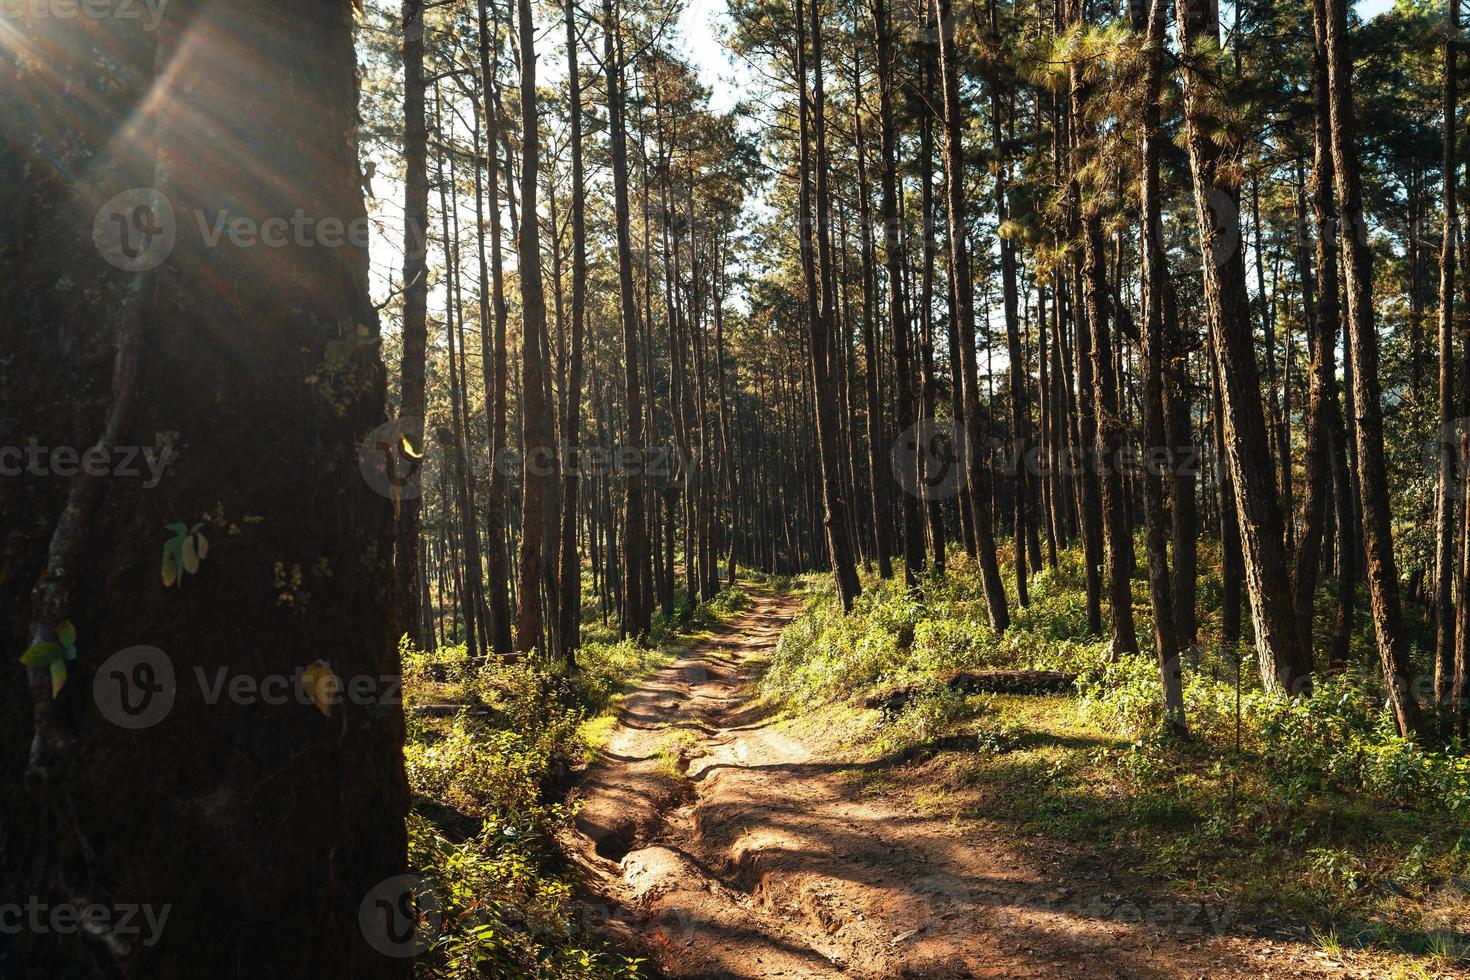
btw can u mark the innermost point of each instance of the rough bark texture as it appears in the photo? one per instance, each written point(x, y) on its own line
point(1155, 275)
point(1383, 583)
point(538, 441)
point(977, 474)
point(259, 373)
point(637, 608)
point(1322, 406)
point(408, 559)
point(1445, 557)
point(817, 265)
point(1283, 658)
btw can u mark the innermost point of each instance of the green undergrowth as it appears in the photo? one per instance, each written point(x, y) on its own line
point(1311, 809)
point(488, 779)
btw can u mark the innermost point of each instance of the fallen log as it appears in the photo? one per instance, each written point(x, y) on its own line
point(449, 711)
point(892, 699)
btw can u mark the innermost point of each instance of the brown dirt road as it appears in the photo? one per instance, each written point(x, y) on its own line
point(763, 860)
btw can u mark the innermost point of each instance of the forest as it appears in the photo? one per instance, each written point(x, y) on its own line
point(772, 488)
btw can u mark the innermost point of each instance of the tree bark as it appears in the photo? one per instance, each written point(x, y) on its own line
point(408, 548)
point(820, 294)
point(261, 366)
point(1383, 583)
point(1284, 661)
point(977, 474)
point(1155, 275)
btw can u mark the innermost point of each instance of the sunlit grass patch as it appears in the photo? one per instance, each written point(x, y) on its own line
point(1311, 808)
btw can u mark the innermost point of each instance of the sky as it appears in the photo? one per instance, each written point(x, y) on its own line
point(701, 26)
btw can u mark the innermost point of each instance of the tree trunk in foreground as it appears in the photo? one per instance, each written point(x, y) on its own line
point(260, 825)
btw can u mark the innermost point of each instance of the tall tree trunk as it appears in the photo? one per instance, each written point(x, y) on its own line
point(1116, 524)
point(537, 414)
point(977, 473)
point(1445, 557)
point(1383, 583)
point(570, 591)
point(636, 608)
point(133, 782)
point(1283, 658)
point(408, 548)
point(1325, 316)
point(819, 288)
point(892, 244)
point(1155, 274)
point(497, 562)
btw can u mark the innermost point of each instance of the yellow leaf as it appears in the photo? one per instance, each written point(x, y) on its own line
point(191, 556)
point(201, 546)
point(170, 566)
point(321, 685)
point(409, 450)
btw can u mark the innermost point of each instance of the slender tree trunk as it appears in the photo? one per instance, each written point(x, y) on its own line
point(977, 473)
point(537, 414)
point(571, 429)
point(408, 557)
point(635, 609)
point(1283, 658)
point(1446, 561)
point(1116, 525)
point(1155, 273)
point(497, 563)
point(819, 287)
point(1367, 395)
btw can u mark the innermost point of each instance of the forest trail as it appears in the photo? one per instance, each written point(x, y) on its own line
point(765, 860)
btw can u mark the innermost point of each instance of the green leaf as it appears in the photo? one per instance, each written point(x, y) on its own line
point(67, 634)
point(41, 655)
point(190, 556)
point(58, 677)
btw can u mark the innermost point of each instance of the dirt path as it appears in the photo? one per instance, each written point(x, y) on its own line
point(763, 861)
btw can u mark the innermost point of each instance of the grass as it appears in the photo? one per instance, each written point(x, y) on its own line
point(1321, 816)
